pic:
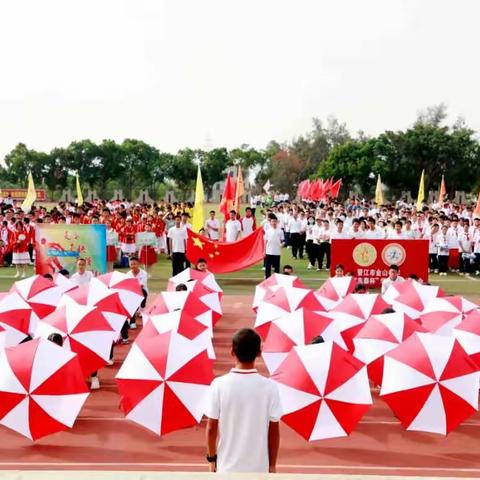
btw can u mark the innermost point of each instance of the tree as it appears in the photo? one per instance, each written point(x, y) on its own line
point(214, 163)
point(286, 168)
point(182, 170)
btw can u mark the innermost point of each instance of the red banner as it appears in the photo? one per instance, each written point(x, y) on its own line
point(223, 257)
point(368, 260)
point(21, 193)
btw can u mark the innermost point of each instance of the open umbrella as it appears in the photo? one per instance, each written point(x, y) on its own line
point(271, 284)
point(296, 328)
point(468, 335)
point(64, 283)
point(3, 337)
point(442, 315)
point(282, 301)
point(164, 382)
point(380, 334)
point(184, 324)
point(207, 279)
point(15, 318)
point(430, 383)
point(323, 389)
point(334, 289)
point(85, 331)
point(42, 389)
point(353, 311)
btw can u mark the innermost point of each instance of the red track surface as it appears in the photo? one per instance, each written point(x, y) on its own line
point(103, 440)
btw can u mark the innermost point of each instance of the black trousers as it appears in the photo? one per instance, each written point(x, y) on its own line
point(324, 251)
point(433, 261)
point(178, 262)
point(297, 243)
point(477, 262)
point(442, 263)
point(272, 261)
point(311, 252)
point(465, 266)
point(30, 252)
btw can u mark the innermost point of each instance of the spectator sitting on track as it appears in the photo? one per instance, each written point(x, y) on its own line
point(339, 271)
point(243, 401)
point(287, 270)
point(201, 265)
point(393, 277)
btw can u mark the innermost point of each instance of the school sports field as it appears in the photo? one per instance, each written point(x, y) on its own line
point(103, 440)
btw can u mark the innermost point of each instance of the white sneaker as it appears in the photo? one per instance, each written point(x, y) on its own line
point(24, 275)
point(94, 383)
point(310, 266)
point(133, 326)
point(461, 273)
point(17, 275)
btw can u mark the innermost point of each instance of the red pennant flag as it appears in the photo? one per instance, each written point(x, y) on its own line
point(228, 197)
point(335, 189)
point(224, 257)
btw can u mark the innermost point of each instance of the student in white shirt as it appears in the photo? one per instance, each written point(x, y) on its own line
point(324, 246)
point(295, 227)
point(212, 227)
point(373, 232)
point(432, 249)
point(177, 241)
point(355, 231)
point(82, 275)
point(244, 408)
point(310, 244)
point(465, 249)
point(274, 238)
point(248, 222)
point(233, 228)
point(443, 251)
point(393, 277)
point(142, 277)
point(396, 233)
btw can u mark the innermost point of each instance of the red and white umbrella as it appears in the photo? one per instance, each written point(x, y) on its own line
point(184, 324)
point(64, 283)
point(273, 283)
point(334, 290)
point(353, 311)
point(40, 293)
point(442, 315)
point(294, 329)
point(15, 318)
point(3, 337)
point(207, 279)
point(413, 298)
point(323, 389)
point(210, 298)
point(380, 334)
point(468, 335)
point(85, 331)
point(186, 301)
point(430, 383)
point(127, 287)
point(164, 382)
point(282, 301)
point(42, 389)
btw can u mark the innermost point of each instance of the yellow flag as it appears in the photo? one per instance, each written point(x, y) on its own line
point(421, 191)
point(443, 191)
point(239, 191)
point(31, 195)
point(79, 193)
point(198, 218)
point(379, 192)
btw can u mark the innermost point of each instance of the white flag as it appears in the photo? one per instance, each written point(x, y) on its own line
point(267, 186)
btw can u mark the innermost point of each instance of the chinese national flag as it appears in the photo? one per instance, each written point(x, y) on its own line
point(223, 257)
point(228, 197)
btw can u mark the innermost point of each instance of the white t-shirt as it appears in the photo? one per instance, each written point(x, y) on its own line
point(244, 403)
point(80, 279)
point(178, 237)
point(273, 241)
point(142, 278)
point(232, 228)
point(247, 225)
point(388, 282)
point(212, 234)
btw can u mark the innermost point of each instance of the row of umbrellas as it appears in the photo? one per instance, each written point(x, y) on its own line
point(418, 345)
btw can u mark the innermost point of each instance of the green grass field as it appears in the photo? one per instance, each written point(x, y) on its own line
point(243, 282)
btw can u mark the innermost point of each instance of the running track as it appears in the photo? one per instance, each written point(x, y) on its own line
point(102, 440)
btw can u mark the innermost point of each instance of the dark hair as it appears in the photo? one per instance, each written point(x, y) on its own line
point(339, 265)
point(394, 267)
point(201, 260)
point(359, 287)
point(413, 276)
point(388, 310)
point(56, 338)
point(80, 259)
point(317, 339)
point(64, 272)
point(48, 275)
point(181, 287)
point(246, 345)
point(133, 259)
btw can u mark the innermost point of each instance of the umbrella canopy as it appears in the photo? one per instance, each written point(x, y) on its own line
point(182, 323)
point(414, 297)
point(15, 318)
point(293, 329)
point(128, 289)
point(164, 382)
point(85, 331)
point(334, 290)
point(442, 315)
point(207, 279)
point(3, 337)
point(468, 335)
point(271, 284)
point(430, 383)
point(324, 391)
point(353, 311)
point(380, 334)
point(282, 301)
point(64, 283)
point(42, 389)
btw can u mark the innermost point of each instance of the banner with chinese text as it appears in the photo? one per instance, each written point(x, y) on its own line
point(369, 260)
point(59, 246)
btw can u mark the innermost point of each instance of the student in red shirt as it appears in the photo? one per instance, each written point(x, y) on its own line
point(21, 258)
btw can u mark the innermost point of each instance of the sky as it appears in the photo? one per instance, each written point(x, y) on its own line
point(197, 73)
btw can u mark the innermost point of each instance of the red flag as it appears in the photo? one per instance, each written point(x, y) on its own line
point(319, 190)
point(228, 197)
point(326, 187)
point(223, 257)
point(335, 189)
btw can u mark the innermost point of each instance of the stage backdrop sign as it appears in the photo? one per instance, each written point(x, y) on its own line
point(369, 260)
point(59, 246)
